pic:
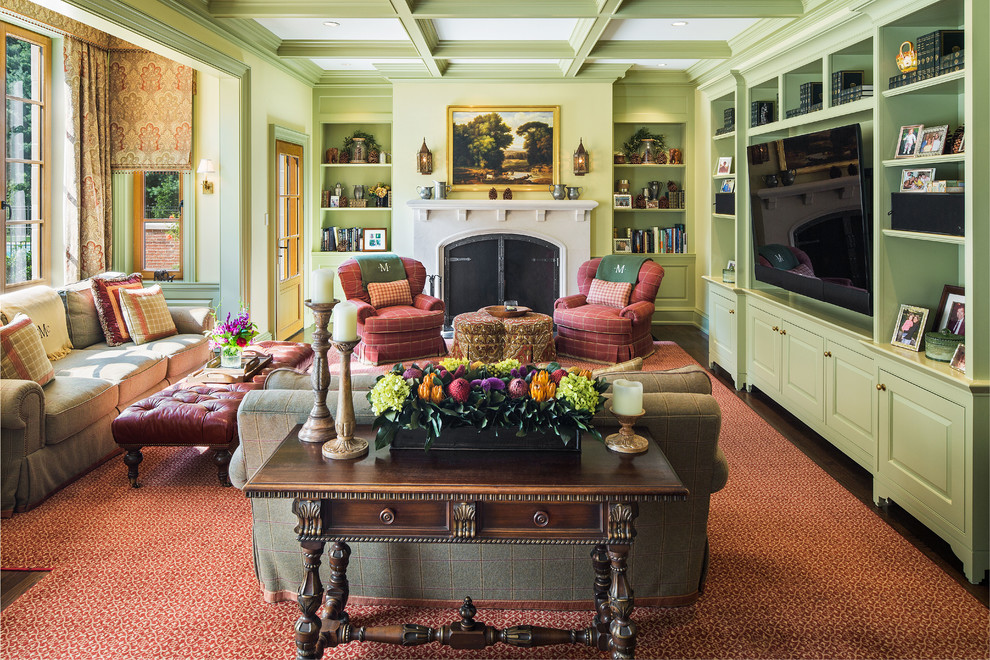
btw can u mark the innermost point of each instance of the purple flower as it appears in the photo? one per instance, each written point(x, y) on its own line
point(489, 384)
point(476, 382)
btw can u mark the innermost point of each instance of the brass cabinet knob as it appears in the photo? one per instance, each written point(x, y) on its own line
point(775, 329)
point(881, 387)
point(541, 519)
point(732, 311)
point(783, 332)
point(828, 353)
point(387, 516)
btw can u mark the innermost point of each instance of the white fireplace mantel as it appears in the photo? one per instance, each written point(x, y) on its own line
point(565, 223)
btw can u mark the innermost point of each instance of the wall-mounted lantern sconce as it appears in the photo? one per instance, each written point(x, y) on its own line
point(581, 160)
point(206, 167)
point(424, 161)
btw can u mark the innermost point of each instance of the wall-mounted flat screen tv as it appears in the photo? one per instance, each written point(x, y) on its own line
point(811, 202)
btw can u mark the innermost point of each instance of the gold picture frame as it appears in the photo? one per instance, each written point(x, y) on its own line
point(467, 168)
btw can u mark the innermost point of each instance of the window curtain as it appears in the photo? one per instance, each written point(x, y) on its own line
point(151, 107)
point(88, 217)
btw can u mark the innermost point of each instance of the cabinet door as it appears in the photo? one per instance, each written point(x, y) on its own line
point(803, 374)
point(850, 401)
point(722, 331)
point(764, 350)
point(922, 448)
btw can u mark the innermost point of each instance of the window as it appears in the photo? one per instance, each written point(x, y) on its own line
point(158, 227)
point(25, 177)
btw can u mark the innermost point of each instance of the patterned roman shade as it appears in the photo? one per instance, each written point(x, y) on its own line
point(151, 112)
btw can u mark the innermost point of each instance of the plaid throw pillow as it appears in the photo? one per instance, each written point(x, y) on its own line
point(146, 314)
point(106, 295)
point(388, 294)
point(23, 354)
point(610, 294)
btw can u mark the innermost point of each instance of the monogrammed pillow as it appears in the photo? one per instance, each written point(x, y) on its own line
point(23, 357)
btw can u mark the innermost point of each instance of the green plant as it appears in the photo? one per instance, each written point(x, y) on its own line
point(631, 146)
point(369, 140)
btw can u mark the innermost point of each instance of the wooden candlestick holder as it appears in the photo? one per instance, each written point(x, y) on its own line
point(345, 446)
point(626, 441)
point(319, 427)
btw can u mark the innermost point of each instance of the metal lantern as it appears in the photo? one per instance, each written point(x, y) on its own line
point(581, 160)
point(424, 161)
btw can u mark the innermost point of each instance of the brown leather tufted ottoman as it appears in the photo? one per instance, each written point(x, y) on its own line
point(197, 415)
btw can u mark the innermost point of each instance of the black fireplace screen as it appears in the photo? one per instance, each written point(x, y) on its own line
point(489, 269)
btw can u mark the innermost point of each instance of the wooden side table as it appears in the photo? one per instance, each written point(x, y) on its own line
point(455, 497)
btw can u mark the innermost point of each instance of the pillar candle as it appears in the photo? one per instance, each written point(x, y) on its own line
point(345, 321)
point(627, 397)
point(321, 285)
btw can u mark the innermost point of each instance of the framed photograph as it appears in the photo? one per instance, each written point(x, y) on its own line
point(909, 327)
point(501, 145)
point(731, 265)
point(621, 245)
point(335, 201)
point(375, 240)
point(932, 140)
point(724, 165)
point(908, 141)
point(917, 180)
point(728, 185)
point(951, 311)
point(621, 201)
point(959, 358)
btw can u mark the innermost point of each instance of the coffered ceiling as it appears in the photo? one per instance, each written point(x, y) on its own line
point(519, 39)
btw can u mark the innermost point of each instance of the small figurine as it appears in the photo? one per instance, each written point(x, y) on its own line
point(507, 194)
point(163, 276)
point(675, 157)
point(332, 155)
point(493, 194)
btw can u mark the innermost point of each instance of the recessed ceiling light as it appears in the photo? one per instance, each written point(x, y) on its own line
point(331, 23)
point(679, 23)
point(662, 64)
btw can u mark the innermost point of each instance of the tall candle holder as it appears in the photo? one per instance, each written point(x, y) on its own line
point(319, 427)
point(626, 441)
point(346, 445)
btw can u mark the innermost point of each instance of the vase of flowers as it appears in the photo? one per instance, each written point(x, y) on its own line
point(380, 195)
point(505, 405)
point(231, 337)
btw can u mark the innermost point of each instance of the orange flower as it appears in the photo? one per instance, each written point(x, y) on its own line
point(542, 391)
point(424, 390)
point(587, 374)
point(436, 394)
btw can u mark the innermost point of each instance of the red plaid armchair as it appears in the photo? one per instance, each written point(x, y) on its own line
point(608, 334)
point(399, 332)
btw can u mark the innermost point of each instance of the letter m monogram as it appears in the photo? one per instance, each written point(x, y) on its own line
point(620, 268)
point(383, 267)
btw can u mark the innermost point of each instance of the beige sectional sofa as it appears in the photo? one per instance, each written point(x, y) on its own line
point(49, 435)
point(668, 561)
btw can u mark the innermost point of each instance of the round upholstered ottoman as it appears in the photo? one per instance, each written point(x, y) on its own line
point(529, 338)
point(478, 336)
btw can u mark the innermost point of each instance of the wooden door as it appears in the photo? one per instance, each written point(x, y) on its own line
point(288, 243)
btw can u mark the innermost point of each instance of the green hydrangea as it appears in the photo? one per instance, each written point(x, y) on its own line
point(389, 392)
point(451, 364)
point(502, 368)
point(579, 392)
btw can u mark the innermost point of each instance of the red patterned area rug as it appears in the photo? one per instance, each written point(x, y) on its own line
point(799, 569)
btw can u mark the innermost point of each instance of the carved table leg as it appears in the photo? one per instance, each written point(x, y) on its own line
point(132, 459)
point(222, 460)
point(308, 646)
point(338, 589)
point(620, 597)
point(603, 580)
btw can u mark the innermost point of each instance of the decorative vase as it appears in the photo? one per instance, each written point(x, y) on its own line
point(359, 151)
point(654, 188)
point(230, 357)
point(649, 155)
point(359, 192)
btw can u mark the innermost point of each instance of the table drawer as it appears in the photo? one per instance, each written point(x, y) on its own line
point(500, 519)
point(388, 518)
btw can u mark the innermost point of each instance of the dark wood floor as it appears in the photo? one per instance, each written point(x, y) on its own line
point(841, 468)
point(850, 475)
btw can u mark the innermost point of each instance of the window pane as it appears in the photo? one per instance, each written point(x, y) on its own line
point(162, 246)
point(24, 191)
point(23, 130)
point(162, 195)
point(24, 67)
point(293, 175)
point(23, 252)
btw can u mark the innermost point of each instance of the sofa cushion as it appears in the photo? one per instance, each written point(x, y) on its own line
point(72, 404)
point(135, 371)
point(80, 314)
point(593, 318)
point(184, 352)
point(23, 353)
point(403, 319)
point(389, 294)
point(43, 306)
point(146, 314)
point(610, 294)
point(106, 293)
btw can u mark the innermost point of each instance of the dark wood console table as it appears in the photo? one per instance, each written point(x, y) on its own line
point(465, 497)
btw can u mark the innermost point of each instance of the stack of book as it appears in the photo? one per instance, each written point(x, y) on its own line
point(762, 112)
point(848, 86)
point(939, 52)
point(811, 100)
point(728, 122)
point(656, 240)
point(342, 239)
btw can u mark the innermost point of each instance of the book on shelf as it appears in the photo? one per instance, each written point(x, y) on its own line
point(655, 240)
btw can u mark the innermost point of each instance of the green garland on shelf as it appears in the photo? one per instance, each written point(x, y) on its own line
point(631, 145)
point(369, 141)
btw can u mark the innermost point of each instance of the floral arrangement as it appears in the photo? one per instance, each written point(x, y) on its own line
point(458, 393)
point(234, 333)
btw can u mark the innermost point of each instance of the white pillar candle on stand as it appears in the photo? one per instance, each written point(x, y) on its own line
point(321, 285)
point(627, 397)
point(345, 321)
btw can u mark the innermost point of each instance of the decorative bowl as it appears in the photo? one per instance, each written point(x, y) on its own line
point(940, 347)
point(500, 312)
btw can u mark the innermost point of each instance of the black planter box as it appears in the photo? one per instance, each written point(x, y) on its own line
point(725, 203)
point(932, 213)
point(497, 439)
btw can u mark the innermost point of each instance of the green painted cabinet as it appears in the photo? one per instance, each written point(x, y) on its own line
point(763, 336)
point(803, 370)
point(851, 402)
point(723, 318)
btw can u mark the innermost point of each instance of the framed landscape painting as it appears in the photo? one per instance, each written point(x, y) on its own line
point(503, 145)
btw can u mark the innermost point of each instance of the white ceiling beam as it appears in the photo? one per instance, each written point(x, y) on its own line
point(503, 50)
point(586, 35)
point(300, 9)
point(660, 50)
point(422, 34)
point(711, 9)
point(505, 9)
point(347, 49)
